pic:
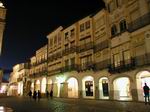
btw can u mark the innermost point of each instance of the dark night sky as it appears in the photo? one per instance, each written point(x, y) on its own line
point(28, 23)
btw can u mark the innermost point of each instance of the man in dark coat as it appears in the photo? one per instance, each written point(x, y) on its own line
point(146, 93)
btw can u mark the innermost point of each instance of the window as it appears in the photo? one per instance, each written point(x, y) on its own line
point(72, 33)
point(113, 30)
point(72, 61)
point(81, 27)
point(67, 62)
point(66, 36)
point(123, 26)
point(72, 44)
point(55, 39)
point(116, 59)
point(87, 24)
point(126, 57)
point(86, 61)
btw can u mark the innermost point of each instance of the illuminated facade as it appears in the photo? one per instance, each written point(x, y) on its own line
point(2, 23)
point(18, 80)
point(102, 56)
point(38, 71)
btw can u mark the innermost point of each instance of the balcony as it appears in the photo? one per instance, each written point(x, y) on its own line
point(102, 65)
point(69, 50)
point(70, 68)
point(142, 60)
point(139, 23)
point(38, 74)
point(125, 65)
point(85, 47)
point(55, 56)
point(86, 66)
point(101, 46)
point(55, 71)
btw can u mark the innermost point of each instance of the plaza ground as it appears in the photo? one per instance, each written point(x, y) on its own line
point(24, 104)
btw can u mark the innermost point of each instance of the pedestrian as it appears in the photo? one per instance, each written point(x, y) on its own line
point(51, 94)
point(39, 95)
point(146, 94)
point(34, 95)
point(47, 94)
point(30, 94)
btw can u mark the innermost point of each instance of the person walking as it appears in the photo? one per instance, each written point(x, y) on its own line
point(146, 90)
point(30, 94)
point(51, 94)
point(39, 95)
point(47, 94)
point(34, 95)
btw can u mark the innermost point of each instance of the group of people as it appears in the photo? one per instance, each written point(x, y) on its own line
point(37, 95)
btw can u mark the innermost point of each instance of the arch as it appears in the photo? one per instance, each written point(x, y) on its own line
point(72, 87)
point(141, 78)
point(37, 85)
point(122, 88)
point(88, 87)
point(43, 85)
point(49, 84)
point(103, 88)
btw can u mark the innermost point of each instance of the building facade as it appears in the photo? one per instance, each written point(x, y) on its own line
point(37, 78)
point(102, 56)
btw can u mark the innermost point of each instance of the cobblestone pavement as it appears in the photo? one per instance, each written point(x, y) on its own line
point(20, 104)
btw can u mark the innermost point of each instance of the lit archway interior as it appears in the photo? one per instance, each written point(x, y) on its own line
point(20, 88)
point(43, 85)
point(49, 85)
point(121, 89)
point(103, 88)
point(141, 78)
point(32, 87)
point(72, 87)
point(88, 87)
point(37, 86)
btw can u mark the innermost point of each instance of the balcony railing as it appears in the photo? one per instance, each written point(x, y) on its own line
point(70, 68)
point(139, 23)
point(102, 65)
point(85, 47)
point(101, 46)
point(69, 50)
point(38, 74)
point(86, 66)
point(123, 66)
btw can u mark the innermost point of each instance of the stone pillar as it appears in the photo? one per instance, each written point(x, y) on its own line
point(111, 91)
point(96, 83)
point(133, 90)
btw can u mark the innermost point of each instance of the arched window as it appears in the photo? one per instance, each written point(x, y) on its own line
point(123, 26)
point(113, 30)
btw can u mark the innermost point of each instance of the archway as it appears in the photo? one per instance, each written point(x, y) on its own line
point(88, 87)
point(37, 85)
point(72, 87)
point(43, 85)
point(104, 88)
point(49, 85)
point(122, 89)
point(141, 78)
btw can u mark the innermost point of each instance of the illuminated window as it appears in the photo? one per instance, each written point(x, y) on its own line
point(81, 27)
point(87, 24)
point(116, 59)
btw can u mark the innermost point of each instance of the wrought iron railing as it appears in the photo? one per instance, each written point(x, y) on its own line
point(139, 23)
point(102, 65)
point(101, 46)
point(85, 47)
